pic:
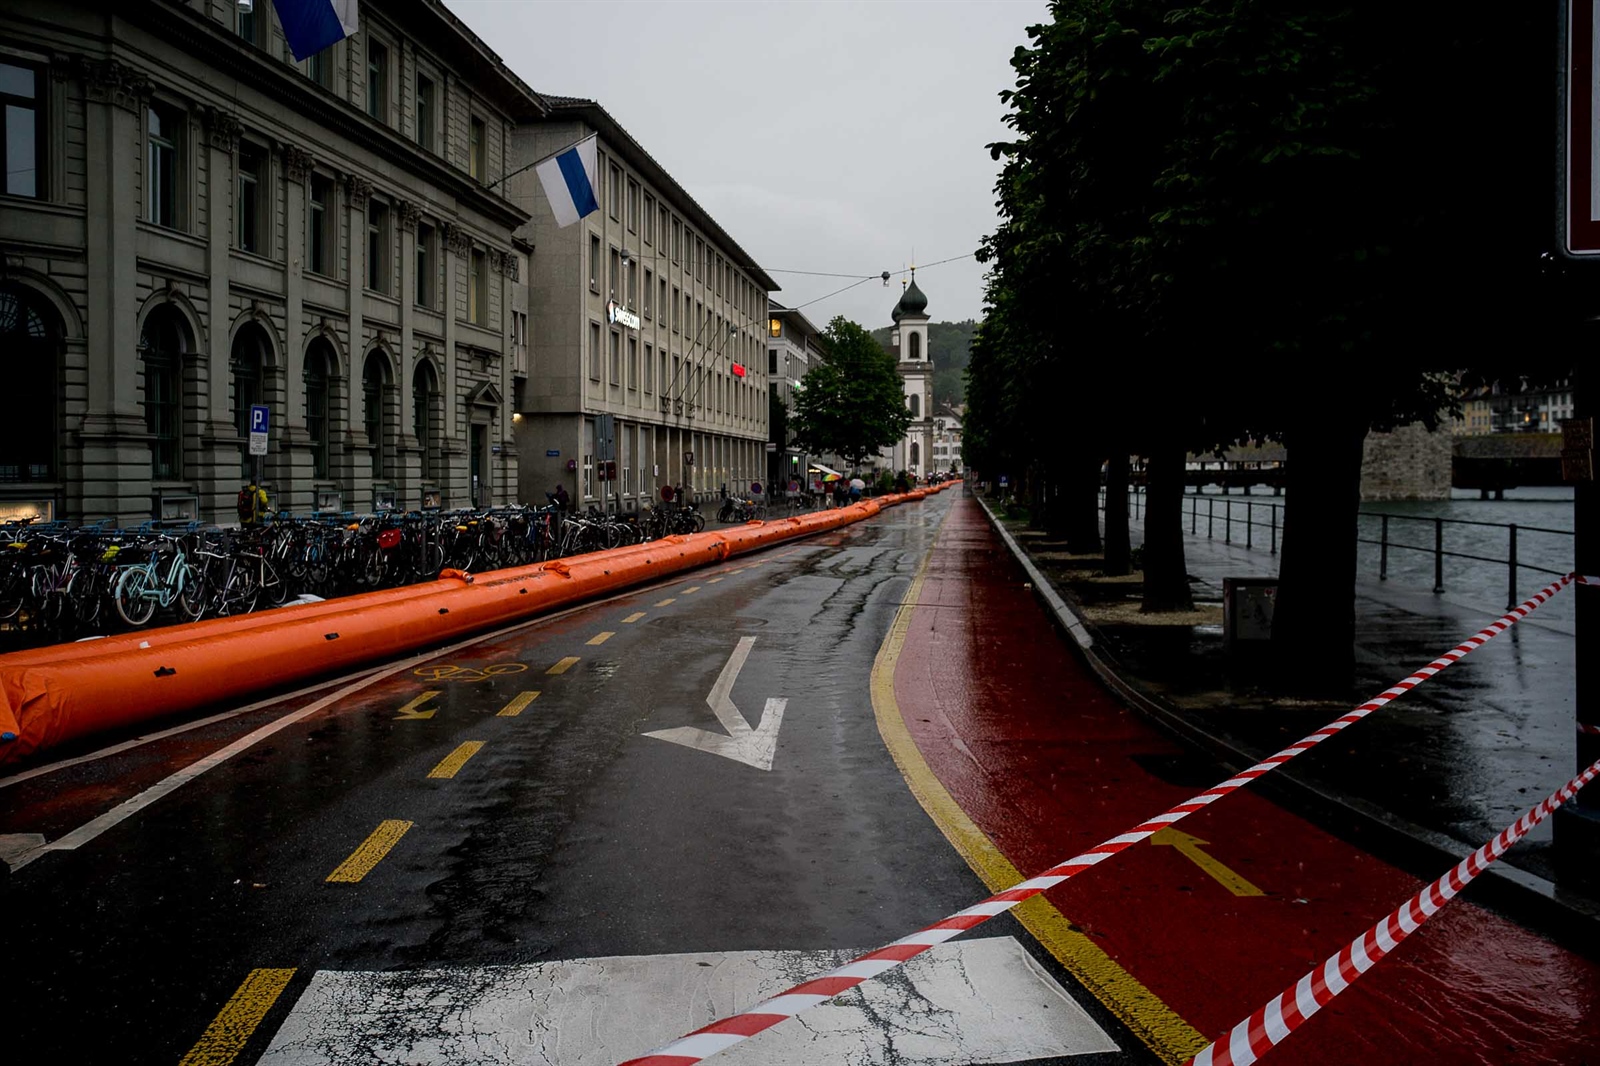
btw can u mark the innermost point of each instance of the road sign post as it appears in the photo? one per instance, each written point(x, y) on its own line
point(260, 426)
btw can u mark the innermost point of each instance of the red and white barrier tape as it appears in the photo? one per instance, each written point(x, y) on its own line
point(1263, 1030)
point(725, 1033)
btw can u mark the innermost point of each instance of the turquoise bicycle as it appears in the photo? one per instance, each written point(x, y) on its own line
point(156, 575)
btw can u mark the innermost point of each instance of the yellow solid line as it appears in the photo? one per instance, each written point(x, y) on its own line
point(635, 616)
point(667, 603)
point(234, 1024)
point(518, 704)
point(564, 665)
point(599, 638)
point(451, 764)
point(691, 588)
point(1174, 1040)
point(371, 852)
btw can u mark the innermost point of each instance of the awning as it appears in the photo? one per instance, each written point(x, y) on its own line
point(826, 469)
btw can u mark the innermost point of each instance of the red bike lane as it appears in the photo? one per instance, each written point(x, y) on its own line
point(1046, 763)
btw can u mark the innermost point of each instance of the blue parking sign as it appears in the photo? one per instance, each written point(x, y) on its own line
point(259, 418)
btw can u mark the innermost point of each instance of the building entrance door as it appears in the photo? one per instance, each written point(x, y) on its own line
point(480, 465)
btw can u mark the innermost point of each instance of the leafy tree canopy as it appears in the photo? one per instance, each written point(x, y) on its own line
point(852, 404)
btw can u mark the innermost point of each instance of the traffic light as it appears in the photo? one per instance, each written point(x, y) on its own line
point(794, 460)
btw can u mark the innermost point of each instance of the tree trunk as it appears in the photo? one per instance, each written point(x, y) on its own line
point(1080, 504)
point(1166, 572)
point(1118, 550)
point(1314, 620)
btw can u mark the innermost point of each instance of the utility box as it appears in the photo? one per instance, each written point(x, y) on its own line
point(1247, 604)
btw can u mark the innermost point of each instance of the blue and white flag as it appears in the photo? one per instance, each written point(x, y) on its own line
point(568, 180)
point(312, 25)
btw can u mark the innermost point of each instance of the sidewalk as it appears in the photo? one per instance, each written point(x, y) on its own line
point(1444, 768)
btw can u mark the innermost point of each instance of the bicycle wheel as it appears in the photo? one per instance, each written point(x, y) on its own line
point(191, 593)
point(274, 588)
point(698, 520)
point(239, 594)
point(133, 605)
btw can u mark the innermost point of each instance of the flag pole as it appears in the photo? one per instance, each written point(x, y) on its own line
point(542, 159)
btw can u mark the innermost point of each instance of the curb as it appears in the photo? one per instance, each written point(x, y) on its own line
point(1522, 897)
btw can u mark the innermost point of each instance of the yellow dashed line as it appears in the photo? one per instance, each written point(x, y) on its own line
point(451, 764)
point(1161, 1028)
point(371, 852)
point(691, 588)
point(564, 665)
point(634, 617)
point(599, 638)
point(667, 603)
point(234, 1024)
point(518, 704)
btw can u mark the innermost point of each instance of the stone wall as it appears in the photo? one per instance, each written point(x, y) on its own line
point(1410, 463)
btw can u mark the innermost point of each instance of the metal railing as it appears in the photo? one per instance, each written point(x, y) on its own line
point(1202, 508)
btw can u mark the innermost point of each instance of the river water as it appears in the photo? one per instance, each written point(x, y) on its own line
point(1471, 527)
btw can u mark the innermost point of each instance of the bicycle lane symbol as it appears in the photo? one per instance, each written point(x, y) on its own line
point(468, 674)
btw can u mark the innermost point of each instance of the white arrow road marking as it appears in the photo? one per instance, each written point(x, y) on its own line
point(967, 1001)
point(753, 747)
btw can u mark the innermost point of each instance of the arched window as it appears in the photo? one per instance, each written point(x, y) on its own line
point(30, 336)
point(427, 416)
point(916, 405)
point(248, 362)
point(916, 345)
point(916, 455)
point(375, 382)
point(164, 342)
point(319, 397)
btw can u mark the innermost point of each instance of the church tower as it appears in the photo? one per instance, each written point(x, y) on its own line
point(909, 342)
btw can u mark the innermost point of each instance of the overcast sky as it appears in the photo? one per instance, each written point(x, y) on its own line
point(844, 136)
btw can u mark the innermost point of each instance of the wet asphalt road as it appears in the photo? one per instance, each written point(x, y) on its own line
point(566, 835)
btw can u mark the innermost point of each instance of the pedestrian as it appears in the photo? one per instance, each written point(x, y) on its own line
point(561, 498)
point(252, 505)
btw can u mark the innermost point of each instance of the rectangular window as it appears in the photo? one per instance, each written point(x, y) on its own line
point(377, 246)
point(677, 241)
point(318, 220)
point(772, 361)
point(662, 303)
point(478, 149)
point(633, 363)
point(633, 283)
point(250, 25)
point(594, 351)
point(161, 172)
point(478, 288)
point(649, 366)
point(319, 67)
point(649, 291)
point(676, 321)
point(649, 219)
point(22, 130)
point(722, 269)
point(426, 282)
point(633, 206)
point(616, 358)
point(616, 273)
point(594, 263)
point(665, 383)
point(248, 229)
point(425, 105)
point(775, 326)
point(377, 80)
point(615, 193)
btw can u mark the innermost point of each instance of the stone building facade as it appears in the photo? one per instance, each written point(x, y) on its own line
point(794, 346)
point(194, 223)
point(683, 414)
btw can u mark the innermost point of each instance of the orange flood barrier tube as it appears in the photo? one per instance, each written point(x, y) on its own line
point(49, 696)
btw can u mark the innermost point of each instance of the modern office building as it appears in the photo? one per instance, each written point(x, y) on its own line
point(648, 318)
point(193, 224)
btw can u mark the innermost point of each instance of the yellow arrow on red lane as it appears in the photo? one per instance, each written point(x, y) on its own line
point(1189, 847)
point(412, 711)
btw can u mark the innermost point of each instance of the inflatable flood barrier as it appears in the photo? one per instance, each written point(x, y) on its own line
point(49, 696)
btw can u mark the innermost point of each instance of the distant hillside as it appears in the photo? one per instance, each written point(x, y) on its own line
point(949, 346)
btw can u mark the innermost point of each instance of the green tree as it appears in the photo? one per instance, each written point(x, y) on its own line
point(852, 404)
